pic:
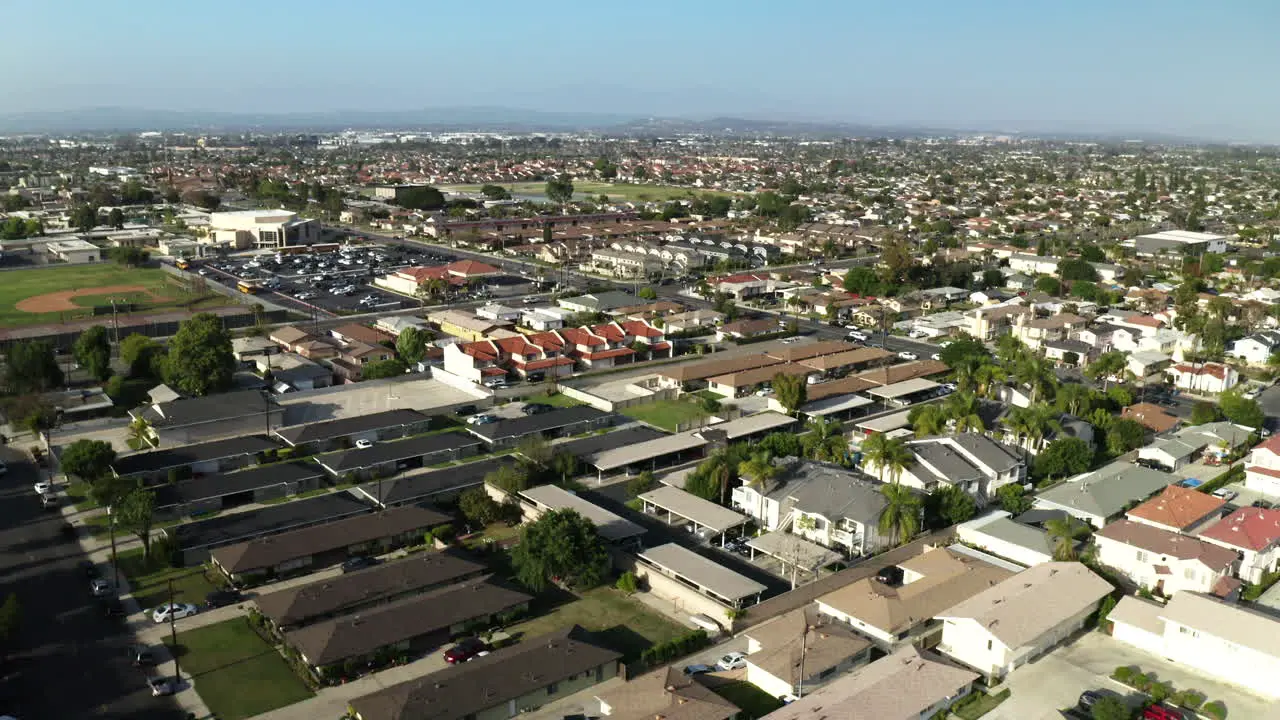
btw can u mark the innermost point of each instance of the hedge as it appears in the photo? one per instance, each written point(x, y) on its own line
point(674, 648)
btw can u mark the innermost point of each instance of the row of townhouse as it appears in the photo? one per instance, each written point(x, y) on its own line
point(555, 353)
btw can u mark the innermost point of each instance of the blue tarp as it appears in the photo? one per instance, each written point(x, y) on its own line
point(1191, 482)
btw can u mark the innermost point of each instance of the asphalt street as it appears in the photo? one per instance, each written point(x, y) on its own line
point(68, 660)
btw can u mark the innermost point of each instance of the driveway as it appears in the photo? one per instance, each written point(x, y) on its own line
point(1057, 679)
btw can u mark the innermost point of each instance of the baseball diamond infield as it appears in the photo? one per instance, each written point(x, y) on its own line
point(61, 301)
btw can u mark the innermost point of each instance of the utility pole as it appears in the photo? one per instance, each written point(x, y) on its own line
point(173, 638)
point(115, 567)
point(804, 648)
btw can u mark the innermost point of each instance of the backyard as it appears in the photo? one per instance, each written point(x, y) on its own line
point(754, 702)
point(666, 414)
point(149, 580)
point(237, 674)
point(622, 623)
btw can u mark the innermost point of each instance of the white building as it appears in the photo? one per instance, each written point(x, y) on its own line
point(1177, 242)
point(1262, 470)
point(1021, 618)
point(1222, 640)
point(1033, 264)
point(972, 462)
point(74, 251)
point(1166, 562)
point(1204, 377)
point(1256, 349)
point(1255, 534)
point(245, 229)
point(998, 534)
point(774, 648)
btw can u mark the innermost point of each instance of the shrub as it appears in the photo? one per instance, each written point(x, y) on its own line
point(1160, 691)
point(627, 583)
point(1124, 674)
point(1216, 710)
point(676, 647)
point(1189, 699)
point(444, 533)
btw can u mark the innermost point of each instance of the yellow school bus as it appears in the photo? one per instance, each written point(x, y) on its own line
point(246, 287)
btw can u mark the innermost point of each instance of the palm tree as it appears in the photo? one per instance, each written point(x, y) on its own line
point(1029, 425)
point(887, 454)
point(1074, 398)
point(719, 467)
point(927, 420)
point(989, 376)
point(758, 469)
point(963, 407)
point(900, 518)
point(969, 372)
point(825, 440)
point(1010, 350)
point(1063, 535)
point(1037, 374)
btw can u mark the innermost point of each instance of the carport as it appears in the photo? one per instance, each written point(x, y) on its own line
point(708, 578)
point(661, 452)
point(707, 518)
point(840, 406)
point(884, 423)
point(899, 392)
point(794, 552)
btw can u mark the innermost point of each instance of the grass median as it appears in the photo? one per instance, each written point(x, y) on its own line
point(622, 623)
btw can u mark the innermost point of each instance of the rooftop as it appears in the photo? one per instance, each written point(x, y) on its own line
point(236, 527)
point(609, 525)
point(712, 576)
point(414, 488)
point(210, 408)
point(1168, 543)
point(1247, 528)
point(1106, 491)
point(312, 432)
point(669, 694)
point(391, 451)
point(803, 636)
point(1177, 507)
point(185, 455)
point(215, 486)
point(710, 515)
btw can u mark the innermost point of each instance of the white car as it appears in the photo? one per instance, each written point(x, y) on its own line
point(44, 487)
point(364, 444)
point(1252, 393)
point(174, 611)
point(908, 355)
point(936, 356)
point(732, 661)
point(1225, 494)
point(99, 588)
point(857, 335)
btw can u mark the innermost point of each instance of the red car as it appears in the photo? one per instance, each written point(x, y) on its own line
point(1160, 712)
point(464, 650)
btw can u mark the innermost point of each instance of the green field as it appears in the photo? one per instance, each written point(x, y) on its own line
point(665, 414)
point(149, 580)
point(237, 674)
point(615, 191)
point(622, 623)
point(162, 291)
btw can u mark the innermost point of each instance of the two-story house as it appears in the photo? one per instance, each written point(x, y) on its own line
point(1034, 332)
point(522, 355)
point(1204, 377)
point(822, 502)
point(1178, 509)
point(1262, 470)
point(1257, 348)
point(1164, 561)
point(1255, 534)
point(972, 462)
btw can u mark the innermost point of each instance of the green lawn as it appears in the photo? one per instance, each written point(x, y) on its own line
point(624, 624)
point(666, 414)
point(558, 400)
point(754, 702)
point(164, 290)
point(150, 582)
point(497, 532)
point(615, 191)
point(237, 674)
point(978, 704)
point(78, 495)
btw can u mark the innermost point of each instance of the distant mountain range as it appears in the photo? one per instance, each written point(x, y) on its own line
point(478, 119)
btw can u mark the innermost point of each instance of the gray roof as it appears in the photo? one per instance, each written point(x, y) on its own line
point(705, 573)
point(1015, 533)
point(543, 422)
point(988, 451)
point(298, 434)
point(186, 455)
point(1076, 346)
point(950, 466)
point(239, 526)
point(215, 486)
point(386, 452)
point(413, 488)
point(829, 490)
point(1215, 432)
point(211, 408)
point(1106, 491)
point(691, 507)
point(603, 301)
point(608, 524)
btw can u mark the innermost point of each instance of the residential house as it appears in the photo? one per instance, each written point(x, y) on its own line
point(357, 333)
point(291, 372)
point(970, 461)
point(509, 681)
point(933, 581)
point(1165, 562)
point(1255, 534)
point(1099, 496)
point(597, 302)
point(1256, 349)
point(909, 684)
point(215, 492)
point(1016, 621)
point(395, 324)
point(999, 534)
point(1222, 640)
point(1262, 470)
point(986, 323)
point(192, 420)
point(822, 502)
point(1151, 416)
point(349, 365)
point(538, 354)
point(686, 321)
point(345, 432)
point(1097, 336)
point(1145, 363)
point(465, 325)
point(1178, 509)
point(745, 329)
point(665, 693)
point(1034, 332)
point(796, 653)
point(1034, 264)
point(1215, 439)
point(1208, 378)
point(249, 349)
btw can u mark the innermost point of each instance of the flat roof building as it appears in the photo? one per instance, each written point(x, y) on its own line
point(712, 579)
point(376, 426)
point(213, 493)
point(253, 229)
point(210, 457)
point(612, 527)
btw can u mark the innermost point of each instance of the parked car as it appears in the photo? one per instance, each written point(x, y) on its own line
point(43, 487)
point(1225, 494)
point(536, 408)
point(1265, 505)
point(908, 355)
point(49, 501)
point(464, 650)
point(222, 598)
point(100, 588)
point(731, 661)
point(1157, 711)
point(936, 356)
point(1088, 699)
point(173, 611)
point(359, 562)
point(466, 410)
point(363, 444)
point(857, 335)
point(140, 655)
point(482, 419)
point(699, 669)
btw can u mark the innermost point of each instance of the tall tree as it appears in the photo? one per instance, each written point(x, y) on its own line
point(825, 441)
point(135, 513)
point(900, 518)
point(927, 420)
point(1036, 373)
point(139, 352)
point(92, 351)
point(559, 189)
point(115, 218)
point(1064, 534)
point(84, 218)
point(791, 391)
point(32, 367)
point(1107, 365)
point(887, 455)
point(948, 505)
point(964, 408)
point(391, 367)
point(563, 545)
point(411, 345)
point(200, 359)
point(758, 469)
point(88, 459)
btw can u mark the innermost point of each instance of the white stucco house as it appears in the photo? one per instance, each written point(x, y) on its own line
point(998, 534)
point(1255, 534)
point(1166, 562)
point(1256, 349)
point(1222, 640)
point(1262, 470)
point(774, 648)
point(1018, 620)
point(1209, 378)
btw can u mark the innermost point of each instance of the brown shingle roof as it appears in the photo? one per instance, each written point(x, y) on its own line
point(856, 356)
point(1165, 542)
point(684, 372)
point(490, 681)
point(906, 371)
point(666, 693)
point(1177, 507)
point(1151, 416)
point(333, 641)
point(270, 551)
point(823, 641)
point(300, 603)
point(796, 353)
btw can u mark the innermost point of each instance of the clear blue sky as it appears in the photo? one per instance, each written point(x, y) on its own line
point(1184, 66)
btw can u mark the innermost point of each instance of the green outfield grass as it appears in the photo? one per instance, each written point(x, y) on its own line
point(161, 291)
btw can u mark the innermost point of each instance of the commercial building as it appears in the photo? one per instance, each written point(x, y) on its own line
point(1016, 621)
point(509, 681)
point(254, 229)
point(1177, 243)
point(74, 251)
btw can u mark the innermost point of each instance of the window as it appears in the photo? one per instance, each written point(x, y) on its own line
point(1189, 573)
point(1142, 556)
point(1188, 631)
point(990, 644)
point(553, 688)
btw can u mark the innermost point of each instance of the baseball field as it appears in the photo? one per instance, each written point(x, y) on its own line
point(70, 292)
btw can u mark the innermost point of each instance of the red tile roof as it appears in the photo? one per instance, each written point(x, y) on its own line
point(1272, 443)
point(581, 336)
point(610, 331)
point(1262, 470)
point(605, 354)
point(1177, 507)
point(1249, 528)
point(638, 328)
point(1214, 369)
point(546, 363)
point(470, 268)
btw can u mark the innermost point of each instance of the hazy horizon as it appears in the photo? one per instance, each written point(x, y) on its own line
point(1175, 68)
